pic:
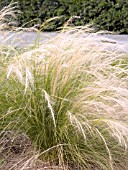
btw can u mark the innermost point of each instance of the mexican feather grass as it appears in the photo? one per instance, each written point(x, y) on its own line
point(70, 97)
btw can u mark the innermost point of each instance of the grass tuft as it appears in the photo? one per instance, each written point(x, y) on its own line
point(70, 97)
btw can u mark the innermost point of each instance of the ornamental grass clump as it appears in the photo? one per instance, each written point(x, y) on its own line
point(69, 95)
point(71, 98)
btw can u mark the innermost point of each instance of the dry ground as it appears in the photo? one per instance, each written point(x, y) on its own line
point(18, 154)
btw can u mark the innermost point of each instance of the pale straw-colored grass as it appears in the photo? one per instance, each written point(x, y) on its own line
point(7, 16)
point(70, 96)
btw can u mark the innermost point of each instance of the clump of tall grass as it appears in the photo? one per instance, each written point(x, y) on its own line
point(70, 96)
point(71, 99)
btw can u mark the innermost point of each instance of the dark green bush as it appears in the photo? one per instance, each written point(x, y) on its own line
point(110, 15)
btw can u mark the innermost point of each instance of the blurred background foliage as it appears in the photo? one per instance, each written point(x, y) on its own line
point(111, 15)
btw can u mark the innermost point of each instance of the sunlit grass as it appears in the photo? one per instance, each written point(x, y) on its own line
point(70, 97)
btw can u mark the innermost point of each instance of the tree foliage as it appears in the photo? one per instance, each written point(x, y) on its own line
point(110, 15)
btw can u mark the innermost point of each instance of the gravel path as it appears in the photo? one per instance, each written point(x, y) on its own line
point(22, 39)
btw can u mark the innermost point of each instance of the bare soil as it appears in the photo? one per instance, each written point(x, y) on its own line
point(17, 153)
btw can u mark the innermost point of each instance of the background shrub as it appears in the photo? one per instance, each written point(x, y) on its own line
point(110, 15)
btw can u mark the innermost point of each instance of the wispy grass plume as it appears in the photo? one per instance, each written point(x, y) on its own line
point(7, 16)
point(70, 97)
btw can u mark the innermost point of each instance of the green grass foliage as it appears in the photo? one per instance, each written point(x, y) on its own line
point(70, 97)
point(71, 100)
